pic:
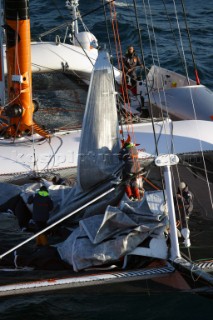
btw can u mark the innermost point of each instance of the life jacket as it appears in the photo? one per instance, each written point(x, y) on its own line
point(129, 154)
point(131, 60)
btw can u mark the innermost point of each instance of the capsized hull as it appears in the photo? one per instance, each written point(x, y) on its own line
point(157, 277)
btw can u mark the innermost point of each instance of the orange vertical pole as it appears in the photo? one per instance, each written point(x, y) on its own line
point(18, 50)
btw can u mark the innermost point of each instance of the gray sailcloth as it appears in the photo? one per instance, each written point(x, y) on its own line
point(102, 239)
point(99, 145)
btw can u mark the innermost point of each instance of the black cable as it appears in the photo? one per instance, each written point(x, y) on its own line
point(190, 43)
point(143, 59)
point(173, 33)
point(105, 15)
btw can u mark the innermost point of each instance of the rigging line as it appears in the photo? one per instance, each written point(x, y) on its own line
point(107, 28)
point(142, 52)
point(130, 13)
point(34, 152)
point(153, 32)
point(148, 91)
point(186, 164)
point(16, 45)
point(190, 43)
point(148, 31)
point(158, 60)
point(173, 33)
point(54, 153)
point(182, 218)
point(153, 60)
point(181, 42)
point(150, 183)
point(124, 90)
point(196, 175)
point(83, 50)
point(152, 120)
point(192, 100)
point(110, 50)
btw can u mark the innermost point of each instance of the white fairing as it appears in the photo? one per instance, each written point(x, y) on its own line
point(28, 156)
point(86, 40)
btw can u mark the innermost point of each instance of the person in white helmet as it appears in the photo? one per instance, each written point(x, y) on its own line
point(184, 202)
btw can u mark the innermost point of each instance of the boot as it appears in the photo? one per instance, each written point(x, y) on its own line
point(41, 240)
point(128, 191)
point(136, 193)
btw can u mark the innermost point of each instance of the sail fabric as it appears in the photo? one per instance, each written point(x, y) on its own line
point(8, 191)
point(105, 238)
point(99, 145)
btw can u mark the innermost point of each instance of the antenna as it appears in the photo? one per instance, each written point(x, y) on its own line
point(72, 5)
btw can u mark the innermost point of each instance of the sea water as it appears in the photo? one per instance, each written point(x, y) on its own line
point(148, 305)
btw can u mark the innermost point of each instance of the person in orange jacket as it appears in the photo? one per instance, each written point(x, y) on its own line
point(129, 155)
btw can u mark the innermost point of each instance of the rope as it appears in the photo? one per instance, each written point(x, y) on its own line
point(150, 183)
point(124, 89)
point(190, 43)
point(107, 28)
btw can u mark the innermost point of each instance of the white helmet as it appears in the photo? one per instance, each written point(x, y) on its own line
point(182, 185)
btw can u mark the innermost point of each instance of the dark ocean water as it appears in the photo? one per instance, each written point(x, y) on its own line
point(177, 306)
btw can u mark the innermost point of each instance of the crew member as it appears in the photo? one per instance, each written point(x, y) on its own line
point(42, 205)
point(129, 155)
point(131, 61)
point(184, 203)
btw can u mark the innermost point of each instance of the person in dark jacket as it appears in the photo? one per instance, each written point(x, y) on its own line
point(57, 180)
point(184, 203)
point(23, 214)
point(131, 61)
point(42, 205)
point(129, 155)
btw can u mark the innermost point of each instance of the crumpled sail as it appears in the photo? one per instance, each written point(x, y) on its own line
point(99, 145)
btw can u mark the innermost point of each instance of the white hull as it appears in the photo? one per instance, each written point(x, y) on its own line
point(50, 57)
point(63, 57)
point(32, 156)
point(25, 157)
point(172, 94)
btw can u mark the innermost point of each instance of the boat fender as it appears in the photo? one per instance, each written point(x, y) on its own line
point(65, 66)
point(36, 105)
point(57, 40)
point(186, 233)
point(86, 40)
